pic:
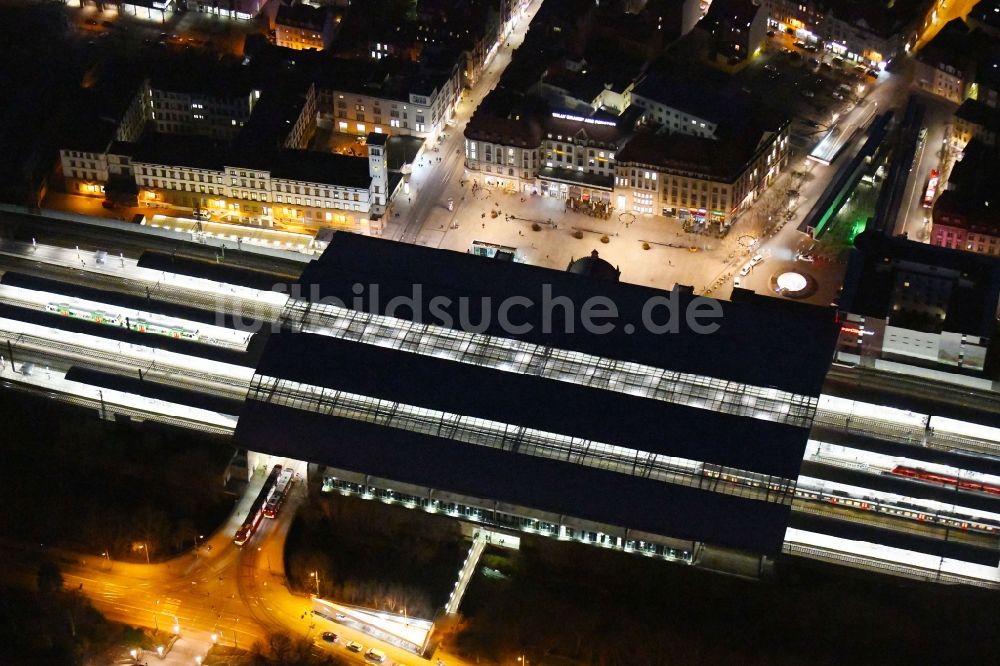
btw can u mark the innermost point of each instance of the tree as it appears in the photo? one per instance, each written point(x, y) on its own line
point(282, 649)
point(49, 578)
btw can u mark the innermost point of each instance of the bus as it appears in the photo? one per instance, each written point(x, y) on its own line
point(256, 513)
point(277, 497)
point(932, 184)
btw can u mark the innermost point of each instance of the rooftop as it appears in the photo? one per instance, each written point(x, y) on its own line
point(302, 16)
point(189, 150)
point(878, 261)
point(566, 410)
point(884, 18)
point(723, 158)
point(204, 153)
point(696, 93)
point(728, 353)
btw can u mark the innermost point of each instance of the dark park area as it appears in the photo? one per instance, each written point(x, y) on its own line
point(569, 603)
point(72, 480)
point(370, 554)
point(49, 625)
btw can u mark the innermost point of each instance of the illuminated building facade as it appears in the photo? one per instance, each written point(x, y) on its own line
point(412, 99)
point(918, 305)
point(302, 27)
point(567, 414)
point(871, 33)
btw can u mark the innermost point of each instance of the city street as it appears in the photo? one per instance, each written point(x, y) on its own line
point(673, 257)
point(648, 250)
point(914, 218)
point(219, 594)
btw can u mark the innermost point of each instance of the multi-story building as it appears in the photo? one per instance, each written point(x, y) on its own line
point(518, 144)
point(99, 152)
point(974, 119)
point(291, 187)
point(503, 140)
point(985, 15)
point(243, 10)
point(872, 32)
point(911, 303)
point(150, 10)
point(737, 29)
point(700, 159)
point(110, 114)
point(392, 96)
point(257, 173)
point(967, 215)
point(702, 181)
point(302, 27)
point(945, 66)
point(476, 27)
point(578, 156)
point(219, 111)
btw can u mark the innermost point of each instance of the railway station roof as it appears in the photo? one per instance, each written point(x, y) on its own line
point(758, 340)
point(545, 417)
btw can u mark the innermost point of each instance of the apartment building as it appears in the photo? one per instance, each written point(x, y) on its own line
point(392, 96)
point(301, 27)
point(702, 181)
point(290, 187)
point(871, 32)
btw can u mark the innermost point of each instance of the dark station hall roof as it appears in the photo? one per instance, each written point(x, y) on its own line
point(756, 343)
point(553, 406)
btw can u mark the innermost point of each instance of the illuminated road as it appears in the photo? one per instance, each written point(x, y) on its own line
point(943, 12)
point(236, 594)
point(914, 218)
point(432, 183)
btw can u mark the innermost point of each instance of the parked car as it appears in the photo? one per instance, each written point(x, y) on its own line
point(808, 93)
point(756, 259)
point(745, 271)
point(375, 655)
point(354, 646)
point(91, 21)
point(329, 637)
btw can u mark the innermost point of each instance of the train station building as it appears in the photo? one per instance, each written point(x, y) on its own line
point(681, 443)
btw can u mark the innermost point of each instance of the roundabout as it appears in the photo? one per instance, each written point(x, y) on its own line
point(793, 284)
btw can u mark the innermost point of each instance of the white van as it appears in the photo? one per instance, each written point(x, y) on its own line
point(375, 655)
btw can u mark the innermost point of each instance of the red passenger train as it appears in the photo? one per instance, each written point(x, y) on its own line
point(963, 484)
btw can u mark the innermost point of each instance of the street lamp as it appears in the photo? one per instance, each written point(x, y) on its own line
point(200, 537)
point(159, 651)
point(177, 625)
point(143, 547)
point(315, 574)
point(268, 557)
point(215, 638)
